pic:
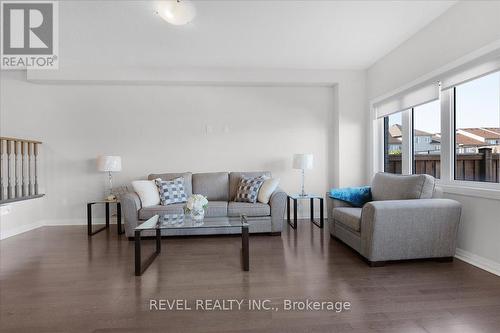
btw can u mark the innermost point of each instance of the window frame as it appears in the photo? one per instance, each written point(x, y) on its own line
point(385, 150)
point(448, 150)
point(453, 181)
point(413, 160)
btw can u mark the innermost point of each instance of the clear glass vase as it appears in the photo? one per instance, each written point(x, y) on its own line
point(197, 214)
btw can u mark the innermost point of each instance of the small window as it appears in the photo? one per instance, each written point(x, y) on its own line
point(427, 139)
point(393, 143)
point(477, 129)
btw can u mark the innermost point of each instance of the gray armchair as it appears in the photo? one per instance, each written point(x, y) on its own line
point(405, 220)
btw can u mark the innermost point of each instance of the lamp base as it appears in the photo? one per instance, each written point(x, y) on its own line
point(111, 197)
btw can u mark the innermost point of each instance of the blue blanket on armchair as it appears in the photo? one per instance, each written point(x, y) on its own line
point(356, 196)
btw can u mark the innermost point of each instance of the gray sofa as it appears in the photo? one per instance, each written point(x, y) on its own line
point(220, 189)
point(407, 219)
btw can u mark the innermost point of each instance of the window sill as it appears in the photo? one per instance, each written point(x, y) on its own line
point(487, 191)
point(8, 201)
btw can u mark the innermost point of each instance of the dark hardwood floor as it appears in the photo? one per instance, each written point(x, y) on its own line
point(54, 279)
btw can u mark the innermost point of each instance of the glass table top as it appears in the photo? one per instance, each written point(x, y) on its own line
point(307, 196)
point(184, 221)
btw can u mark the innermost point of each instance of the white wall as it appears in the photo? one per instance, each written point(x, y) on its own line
point(158, 127)
point(463, 29)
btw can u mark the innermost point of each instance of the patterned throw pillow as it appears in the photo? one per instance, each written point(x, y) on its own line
point(171, 191)
point(248, 189)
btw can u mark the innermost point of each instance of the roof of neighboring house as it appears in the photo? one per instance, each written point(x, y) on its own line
point(395, 131)
point(394, 141)
point(492, 129)
point(487, 133)
point(463, 140)
point(422, 133)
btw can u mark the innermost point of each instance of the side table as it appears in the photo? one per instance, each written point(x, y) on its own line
point(311, 198)
point(106, 203)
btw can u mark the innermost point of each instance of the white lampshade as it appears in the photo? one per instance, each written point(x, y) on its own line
point(177, 12)
point(302, 161)
point(109, 163)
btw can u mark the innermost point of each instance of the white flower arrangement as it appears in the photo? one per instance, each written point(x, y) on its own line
point(196, 202)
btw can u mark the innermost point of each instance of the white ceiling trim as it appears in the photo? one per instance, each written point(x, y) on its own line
point(174, 76)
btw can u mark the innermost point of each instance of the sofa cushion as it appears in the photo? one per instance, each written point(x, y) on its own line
point(235, 177)
point(188, 184)
point(171, 191)
point(249, 209)
point(148, 212)
point(248, 189)
point(214, 209)
point(386, 186)
point(267, 189)
point(349, 217)
point(147, 192)
point(213, 185)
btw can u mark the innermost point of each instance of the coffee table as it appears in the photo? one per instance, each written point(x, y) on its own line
point(184, 221)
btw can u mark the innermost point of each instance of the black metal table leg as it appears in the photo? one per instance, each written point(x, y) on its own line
point(107, 214)
point(288, 218)
point(89, 221)
point(312, 209)
point(137, 236)
point(319, 224)
point(288, 209)
point(158, 241)
point(119, 218)
point(244, 248)
point(294, 213)
point(321, 213)
point(140, 266)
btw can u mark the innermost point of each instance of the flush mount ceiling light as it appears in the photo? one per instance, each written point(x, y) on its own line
point(176, 12)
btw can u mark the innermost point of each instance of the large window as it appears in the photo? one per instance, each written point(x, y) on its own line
point(477, 129)
point(447, 127)
point(427, 139)
point(393, 140)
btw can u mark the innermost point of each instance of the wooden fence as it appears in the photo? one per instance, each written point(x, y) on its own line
point(483, 166)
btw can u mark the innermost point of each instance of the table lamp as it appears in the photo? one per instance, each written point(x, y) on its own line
point(303, 162)
point(109, 164)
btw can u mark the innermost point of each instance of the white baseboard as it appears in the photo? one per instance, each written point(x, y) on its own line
point(83, 221)
point(19, 230)
point(55, 222)
point(478, 261)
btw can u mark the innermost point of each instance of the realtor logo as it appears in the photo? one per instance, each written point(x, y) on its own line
point(29, 35)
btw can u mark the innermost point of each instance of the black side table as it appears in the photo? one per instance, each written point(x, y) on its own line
point(118, 217)
point(310, 197)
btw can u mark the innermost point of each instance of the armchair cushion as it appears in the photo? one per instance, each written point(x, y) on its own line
point(356, 196)
point(386, 186)
point(349, 217)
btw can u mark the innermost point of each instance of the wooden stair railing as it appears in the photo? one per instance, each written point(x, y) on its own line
point(19, 169)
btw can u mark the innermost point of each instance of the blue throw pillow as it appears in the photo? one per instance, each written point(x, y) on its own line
point(356, 196)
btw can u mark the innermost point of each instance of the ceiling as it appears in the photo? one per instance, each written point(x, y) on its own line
point(243, 34)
